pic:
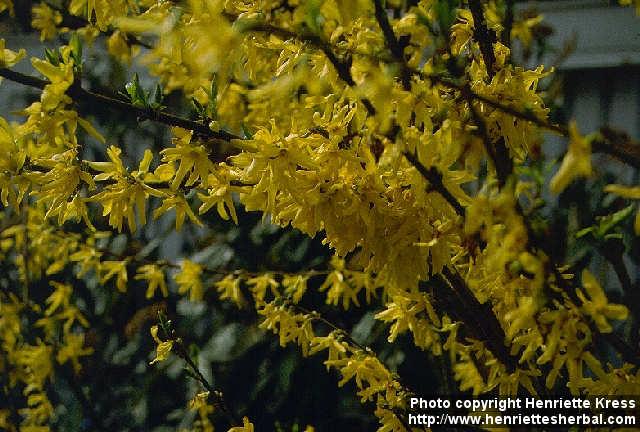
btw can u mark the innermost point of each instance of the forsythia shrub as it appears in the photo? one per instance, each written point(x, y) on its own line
point(399, 132)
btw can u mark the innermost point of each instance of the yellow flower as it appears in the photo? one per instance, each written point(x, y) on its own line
point(46, 20)
point(9, 58)
point(229, 288)
point(72, 349)
point(261, 283)
point(59, 297)
point(61, 78)
point(199, 400)
point(247, 426)
point(193, 160)
point(597, 306)
point(182, 208)
point(129, 193)
point(117, 269)
point(189, 280)
point(6, 5)
point(120, 48)
point(576, 163)
point(163, 349)
point(154, 275)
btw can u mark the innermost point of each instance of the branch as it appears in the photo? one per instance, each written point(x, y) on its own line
point(479, 318)
point(194, 372)
point(79, 94)
point(434, 177)
point(396, 48)
point(485, 37)
point(498, 151)
point(619, 145)
point(508, 23)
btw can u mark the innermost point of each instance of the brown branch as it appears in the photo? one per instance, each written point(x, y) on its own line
point(508, 23)
point(194, 372)
point(392, 42)
point(497, 151)
point(455, 295)
point(79, 94)
point(485, 37)
point(434, 177)
point(619, 145)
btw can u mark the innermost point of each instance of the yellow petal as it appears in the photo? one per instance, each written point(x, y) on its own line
point(631, 192)
point(576, 163)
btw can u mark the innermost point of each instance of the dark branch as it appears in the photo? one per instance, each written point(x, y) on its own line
point(508, 23)
point(434, 177)
point(453, 293)
point(392, 42)
point(485, 37)
point(619, 145)
point(497, 151)
point(79, 94)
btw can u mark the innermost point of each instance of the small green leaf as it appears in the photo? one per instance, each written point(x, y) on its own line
point(76, 48)
point(246, 133)
point(52, 56)
point(583, 232)
point(136, 94)
point(446, 11)
point(608, 222)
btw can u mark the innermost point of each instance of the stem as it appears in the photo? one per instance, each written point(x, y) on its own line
point(480, 319)
point(79, 94)
point(218, 397)
point(434, 177)
point(396, 48)
point(508, 23)
point(485, 37)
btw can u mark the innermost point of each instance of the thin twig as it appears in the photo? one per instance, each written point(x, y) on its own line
point(79, 94)
point(508, 23)
point(485, 37)
point(434, 177)
point(217, 395)
point(392, 42)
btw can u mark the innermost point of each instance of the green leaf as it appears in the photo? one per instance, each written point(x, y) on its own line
point(446, 11)
point(52, 56)
point(313, 18)
point(76, 48)
point(158, 98)
point(583, 232)
point(135, 92)
point(606, 224)
point(246, 133)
